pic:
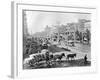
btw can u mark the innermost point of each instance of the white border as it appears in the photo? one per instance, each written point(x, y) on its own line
point(18, 35)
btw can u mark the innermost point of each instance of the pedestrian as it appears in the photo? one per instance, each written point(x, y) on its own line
point(85, 59)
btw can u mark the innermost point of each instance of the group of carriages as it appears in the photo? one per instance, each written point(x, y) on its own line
point(47, 57)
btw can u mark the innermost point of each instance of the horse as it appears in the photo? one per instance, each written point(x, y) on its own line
point(59, 57)
point(72, 56)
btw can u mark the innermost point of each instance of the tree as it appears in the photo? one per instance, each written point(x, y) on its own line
point(77, 35)
point(88, 35)
point(80, 37)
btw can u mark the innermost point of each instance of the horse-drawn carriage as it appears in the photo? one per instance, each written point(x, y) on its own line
point(44, 57)
point(48, 58)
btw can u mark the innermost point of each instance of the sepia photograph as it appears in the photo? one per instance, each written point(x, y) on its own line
point(56, 39)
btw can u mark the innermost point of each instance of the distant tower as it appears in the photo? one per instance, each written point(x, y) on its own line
point(47, 28)
point(25, 24)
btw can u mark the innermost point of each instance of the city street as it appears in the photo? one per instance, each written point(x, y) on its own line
point(79, 49)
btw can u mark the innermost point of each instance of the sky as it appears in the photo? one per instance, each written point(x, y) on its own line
point(38, 20)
